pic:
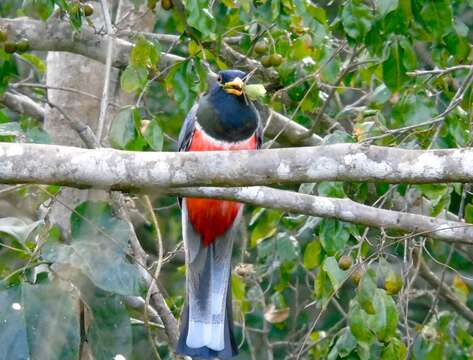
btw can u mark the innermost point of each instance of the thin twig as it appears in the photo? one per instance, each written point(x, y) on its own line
point(108, 69)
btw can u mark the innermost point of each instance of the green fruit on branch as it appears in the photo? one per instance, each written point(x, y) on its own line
point(276, 59)
point(166, 4)
point(152, 4)
point(266, 61)
point(393, 283)
point(261, 47)
point(88, 9)
point(345, 262)
point(9, 47)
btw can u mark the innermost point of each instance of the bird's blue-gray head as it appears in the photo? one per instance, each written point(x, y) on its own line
point(230, 81)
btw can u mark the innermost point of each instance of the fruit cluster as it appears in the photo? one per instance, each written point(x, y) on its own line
point(165, 4)
point(13, 46)
point(77, 8)
point(267, 60)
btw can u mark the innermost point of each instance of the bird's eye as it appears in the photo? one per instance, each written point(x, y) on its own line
point(219, 79)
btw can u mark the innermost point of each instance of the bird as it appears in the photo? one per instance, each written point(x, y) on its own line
point(222, 119)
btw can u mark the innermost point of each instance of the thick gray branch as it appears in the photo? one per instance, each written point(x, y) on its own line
point(342, 209)
point(58, 35)
point(22, 104)
point(114, 169)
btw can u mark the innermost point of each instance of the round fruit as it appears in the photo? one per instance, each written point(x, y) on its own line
point(393, 283)
point(3, 35)
point(261, 47)
point(152, 4)
point(357, 275)
point(166, 4)
point(23, 45)
point(276, 59)
point(10, 47)
point(266, 61)
point(345, 262)
point(88, 9)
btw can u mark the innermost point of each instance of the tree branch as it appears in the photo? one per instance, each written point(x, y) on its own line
point(22, 104)
point(342, 209)
point(124, 170)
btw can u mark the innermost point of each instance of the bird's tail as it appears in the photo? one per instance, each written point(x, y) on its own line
point(204, 337)
point(206, 321)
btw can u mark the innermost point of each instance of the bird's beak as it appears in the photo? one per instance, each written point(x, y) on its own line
point(234, 87)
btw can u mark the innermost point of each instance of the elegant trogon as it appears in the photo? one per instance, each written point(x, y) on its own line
point(222, 119)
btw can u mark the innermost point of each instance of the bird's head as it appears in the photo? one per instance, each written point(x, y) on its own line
point(231, 81)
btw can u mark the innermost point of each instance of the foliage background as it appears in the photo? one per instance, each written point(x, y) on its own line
point(351, 72)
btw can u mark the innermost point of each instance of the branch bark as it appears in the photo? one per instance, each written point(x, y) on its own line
point(22, 104)
point(342, 209)
point(124, 170)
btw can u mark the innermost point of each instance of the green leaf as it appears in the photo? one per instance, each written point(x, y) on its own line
point(409, 58)
point(95, 219)
point(99, 250)
point(47, 307)
point(109, 333)
point(123, 129)
point(201, 19)
point(336, 275)
point(103, 263)
point(312, 255)
point(238, 288)
point(333, 235)
point(366, 291)
point(181, 79)
point(437, 17)
point(322, 285)
point(264, 224)
point(357, 321)
point(413, 109)
point(331, 189)
point(394, 71)
point(144, 54)
point(469, 213)
point(42, 323)
point(356, 19)
point(134, 78)
point(338, 137)
point(395, 350)
point(18, 228)
point(38, 8)
point(13, 336)
point(384, 322)
point(318, 13)
point(154, 136)
point(37, 62)
point(345, 344)
point(433, 191)
point(386, 6)
point(287, 247)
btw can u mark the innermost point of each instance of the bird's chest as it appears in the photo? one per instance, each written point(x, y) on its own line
point(212, 218)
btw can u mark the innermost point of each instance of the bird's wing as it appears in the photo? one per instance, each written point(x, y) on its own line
point(187, 129)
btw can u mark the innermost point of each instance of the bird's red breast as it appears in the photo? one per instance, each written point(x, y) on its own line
point(211, 218)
